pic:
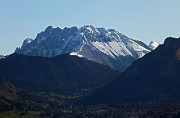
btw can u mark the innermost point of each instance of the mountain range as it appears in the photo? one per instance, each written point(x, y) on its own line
point(76, 72)
point(105, 46)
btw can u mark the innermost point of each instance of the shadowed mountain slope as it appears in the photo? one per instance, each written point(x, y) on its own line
point(155, 78)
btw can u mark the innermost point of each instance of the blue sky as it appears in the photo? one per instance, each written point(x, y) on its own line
point(144, 20)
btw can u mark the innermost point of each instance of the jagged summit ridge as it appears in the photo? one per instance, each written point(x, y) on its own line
point(105, 46)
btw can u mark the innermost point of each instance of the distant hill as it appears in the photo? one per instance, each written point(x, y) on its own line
point(153, 79)
point(63, 74)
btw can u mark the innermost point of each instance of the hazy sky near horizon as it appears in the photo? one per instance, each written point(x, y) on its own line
point(144, 20)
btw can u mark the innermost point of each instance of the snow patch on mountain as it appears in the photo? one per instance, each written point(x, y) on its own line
point(76, 54)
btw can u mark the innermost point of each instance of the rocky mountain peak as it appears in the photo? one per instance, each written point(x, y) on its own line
point(105, 46)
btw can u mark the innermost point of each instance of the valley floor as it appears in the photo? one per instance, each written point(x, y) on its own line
point(51, 105)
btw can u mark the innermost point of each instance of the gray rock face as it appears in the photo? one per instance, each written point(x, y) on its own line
point(105, 46)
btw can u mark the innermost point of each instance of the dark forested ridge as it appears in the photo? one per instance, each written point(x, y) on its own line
point(64, 74)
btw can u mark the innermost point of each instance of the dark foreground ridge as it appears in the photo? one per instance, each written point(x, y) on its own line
point(151, 80)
